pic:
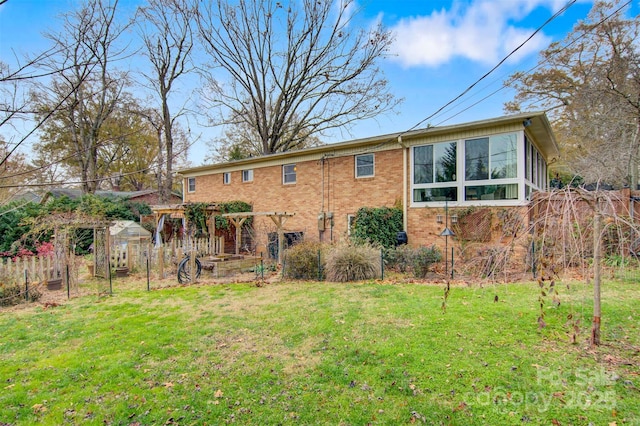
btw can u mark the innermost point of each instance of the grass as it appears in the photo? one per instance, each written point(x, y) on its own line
point(321, 353)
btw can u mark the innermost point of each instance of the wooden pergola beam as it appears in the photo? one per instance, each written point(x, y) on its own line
point(278, 218)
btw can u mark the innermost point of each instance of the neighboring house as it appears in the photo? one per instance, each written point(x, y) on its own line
point(495, 163)
point(148, 196)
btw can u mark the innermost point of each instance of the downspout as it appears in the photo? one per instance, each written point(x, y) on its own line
point(405, 220)
point(322, 190)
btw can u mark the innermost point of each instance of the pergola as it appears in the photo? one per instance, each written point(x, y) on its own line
point(238, 219)
point(278, 218)
point(176, 211)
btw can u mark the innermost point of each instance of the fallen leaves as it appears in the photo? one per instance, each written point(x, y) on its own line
point(38, 408)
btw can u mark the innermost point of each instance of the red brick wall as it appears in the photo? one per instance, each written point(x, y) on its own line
point(327, 185)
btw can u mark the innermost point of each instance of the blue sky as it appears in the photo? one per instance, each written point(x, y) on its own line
point(442, 47)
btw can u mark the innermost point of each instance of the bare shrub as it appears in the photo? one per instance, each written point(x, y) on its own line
point(12, 294)
point(304, 261)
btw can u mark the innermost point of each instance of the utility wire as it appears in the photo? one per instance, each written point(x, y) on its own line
point(531, 70)
point(555, 15)
point(438, 111)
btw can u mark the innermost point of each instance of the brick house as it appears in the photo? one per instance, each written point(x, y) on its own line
point(494, 163)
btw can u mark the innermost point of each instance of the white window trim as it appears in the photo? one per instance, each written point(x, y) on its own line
point(295, 174)
point(355, 162)
point(350, 218)
point(250, 175)
point(189, 180)
point(460, 183)
point(226, 178)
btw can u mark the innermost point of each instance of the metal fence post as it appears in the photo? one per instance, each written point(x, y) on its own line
point(26, 285)
point(68, 284)
point(148, 280)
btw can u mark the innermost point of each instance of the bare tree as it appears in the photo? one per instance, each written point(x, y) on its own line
point(14, 172)
point(293, 69)
point(241, 141)
point(85, 86)
point(590, 84)
point(168, 40)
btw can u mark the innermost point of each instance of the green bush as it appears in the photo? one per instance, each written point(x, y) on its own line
point(301, 261)
point(353, 262)
point(423, 258)
point(378, 226)
point(399, 258)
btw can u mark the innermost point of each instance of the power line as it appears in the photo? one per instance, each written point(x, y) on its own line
point(437, 112)
point(80, 182)
point(554, 16)
point(530, 70)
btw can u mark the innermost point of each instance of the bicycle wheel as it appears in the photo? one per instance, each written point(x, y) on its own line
point(184, 270)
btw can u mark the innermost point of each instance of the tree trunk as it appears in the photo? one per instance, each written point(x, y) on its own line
point(159, 171)
point(165, 193)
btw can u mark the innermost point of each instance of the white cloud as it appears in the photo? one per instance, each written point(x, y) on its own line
point(482, 31)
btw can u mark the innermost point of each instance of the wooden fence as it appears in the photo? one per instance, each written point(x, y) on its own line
point(33, 269)
point(134, 257)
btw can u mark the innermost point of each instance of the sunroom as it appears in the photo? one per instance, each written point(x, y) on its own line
point(497, 169)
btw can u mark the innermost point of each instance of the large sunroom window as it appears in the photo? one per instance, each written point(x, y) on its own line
point(434, 172)
point(489, 162)
point(476, 169)
point(535, 169)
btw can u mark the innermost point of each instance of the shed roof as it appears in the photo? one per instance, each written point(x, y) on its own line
point(128, 229)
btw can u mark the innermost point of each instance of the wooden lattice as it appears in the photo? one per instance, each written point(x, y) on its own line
point(101, 252)
point(474, 226)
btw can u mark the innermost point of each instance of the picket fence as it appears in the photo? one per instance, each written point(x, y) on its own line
point(30, 269)
point(134, 257)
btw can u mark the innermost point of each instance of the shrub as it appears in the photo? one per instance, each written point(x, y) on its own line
point(301, 261)
point(12, 294)
point(353, 262)
point(399, 258)
point(423, 258)
point(378, 226)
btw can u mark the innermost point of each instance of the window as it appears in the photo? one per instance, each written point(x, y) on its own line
point(351, 223)
point(535, 169)
point(434, 172)
point(478, 169)
point(226, 178)
point(289, 173)
point(487, 162)
point(191, 184)
point(364, 165)
point(247, 175)
point(435, 163)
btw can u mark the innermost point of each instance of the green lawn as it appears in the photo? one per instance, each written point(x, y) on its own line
point(322, 353)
